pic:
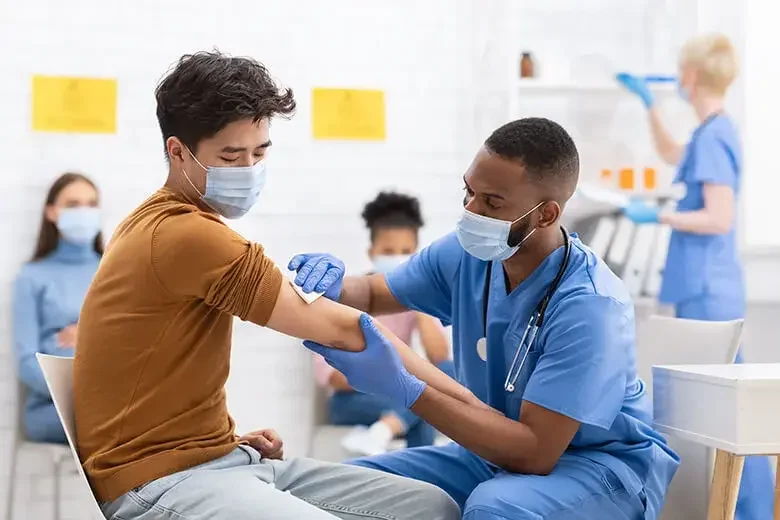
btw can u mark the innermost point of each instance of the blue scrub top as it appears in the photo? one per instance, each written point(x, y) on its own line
point(581, 365)
point(705, 265)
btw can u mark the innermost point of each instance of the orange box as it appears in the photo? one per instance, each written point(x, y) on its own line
point(650, 179)
point(626, 179)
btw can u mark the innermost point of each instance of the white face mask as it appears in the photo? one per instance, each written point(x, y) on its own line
point(231, 191)
point(487, 238)
point(386, 263)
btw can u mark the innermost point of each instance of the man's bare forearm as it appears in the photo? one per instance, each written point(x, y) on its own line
point(356, 293)
point(370, 294)
point(491, 435)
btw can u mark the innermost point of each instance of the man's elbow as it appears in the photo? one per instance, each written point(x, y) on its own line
point(533, 465)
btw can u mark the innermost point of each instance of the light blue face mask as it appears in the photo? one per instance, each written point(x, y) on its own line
point(683, 92)
point(231, 191)
point(486, 238)
point(80, 225)
point(385, 263)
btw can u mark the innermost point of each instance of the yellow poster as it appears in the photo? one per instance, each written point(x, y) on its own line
point(348, 114)
point(74, 105)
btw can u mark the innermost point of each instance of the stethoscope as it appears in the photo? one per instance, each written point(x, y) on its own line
point(537, 317)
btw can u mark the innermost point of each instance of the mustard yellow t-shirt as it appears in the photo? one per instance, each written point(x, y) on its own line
point(153, 350)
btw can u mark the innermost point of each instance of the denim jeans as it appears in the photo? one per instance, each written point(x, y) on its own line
point(354, 408)
point(241, 486)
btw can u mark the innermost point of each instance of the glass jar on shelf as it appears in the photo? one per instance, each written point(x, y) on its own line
point(527, 65)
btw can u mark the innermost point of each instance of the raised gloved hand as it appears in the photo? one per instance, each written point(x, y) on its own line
point(641, 213)
point(318, 272)
point(376, 370)
point(637, 86)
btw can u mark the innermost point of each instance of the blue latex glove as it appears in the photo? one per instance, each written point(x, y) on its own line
point(376, 370)
point(318, 272)
point(637, 86)
point(640, 213)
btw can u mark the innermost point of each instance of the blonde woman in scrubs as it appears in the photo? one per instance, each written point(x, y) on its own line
point(703, 274)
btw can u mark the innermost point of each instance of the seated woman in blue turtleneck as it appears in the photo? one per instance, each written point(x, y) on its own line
point(49, 291)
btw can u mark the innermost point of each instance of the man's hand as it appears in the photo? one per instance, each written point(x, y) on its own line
point(318, 272)
point(66, 338)
point(267, 442)
point(376, 370)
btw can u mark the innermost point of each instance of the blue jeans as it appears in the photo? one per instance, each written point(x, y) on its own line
point(354, 408)
point(242, 486)
point(756, 491)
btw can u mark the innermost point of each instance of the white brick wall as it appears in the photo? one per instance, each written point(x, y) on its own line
point(442, 63)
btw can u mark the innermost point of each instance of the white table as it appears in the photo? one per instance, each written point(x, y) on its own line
point(732, 408)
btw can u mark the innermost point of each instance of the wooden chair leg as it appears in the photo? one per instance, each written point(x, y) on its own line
point(725, 485)
point(777, 490)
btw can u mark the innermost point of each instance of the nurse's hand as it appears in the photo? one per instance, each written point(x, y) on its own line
point(320, 273)
point(641, 213)
point(376, 370)
point(637, 86)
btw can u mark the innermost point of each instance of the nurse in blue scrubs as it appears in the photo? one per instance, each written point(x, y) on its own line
point(703, 274)
point(567, 431)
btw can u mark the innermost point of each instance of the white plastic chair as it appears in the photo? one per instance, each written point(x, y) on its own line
point(58, 372)
point(57, 453)
point(671, 341)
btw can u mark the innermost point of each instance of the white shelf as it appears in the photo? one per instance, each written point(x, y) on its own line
point(540, 86)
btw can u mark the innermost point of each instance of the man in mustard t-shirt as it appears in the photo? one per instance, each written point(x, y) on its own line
point(153, 354)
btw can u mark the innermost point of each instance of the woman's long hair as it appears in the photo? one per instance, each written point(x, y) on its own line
point(49, 236)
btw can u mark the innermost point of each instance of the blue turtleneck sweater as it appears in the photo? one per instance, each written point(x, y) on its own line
point(47, 297)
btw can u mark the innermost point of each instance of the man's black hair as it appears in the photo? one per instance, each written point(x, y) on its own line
point(206, 91)
point(392, 210)
point(544, 149)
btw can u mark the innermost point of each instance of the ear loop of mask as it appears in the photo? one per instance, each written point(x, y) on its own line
point(522, 240)
point(190, 181)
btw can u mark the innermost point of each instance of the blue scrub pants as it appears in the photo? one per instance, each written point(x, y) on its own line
point(756, 491)
point(354, 408)
point(577, 489)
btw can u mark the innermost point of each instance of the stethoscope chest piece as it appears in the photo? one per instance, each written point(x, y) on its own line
point(482, 349)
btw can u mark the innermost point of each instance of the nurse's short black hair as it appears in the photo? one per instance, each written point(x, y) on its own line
point(544, 149)
point(206, 91)
point(392, 210)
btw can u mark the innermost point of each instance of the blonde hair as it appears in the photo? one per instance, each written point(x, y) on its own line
point(715, 59)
